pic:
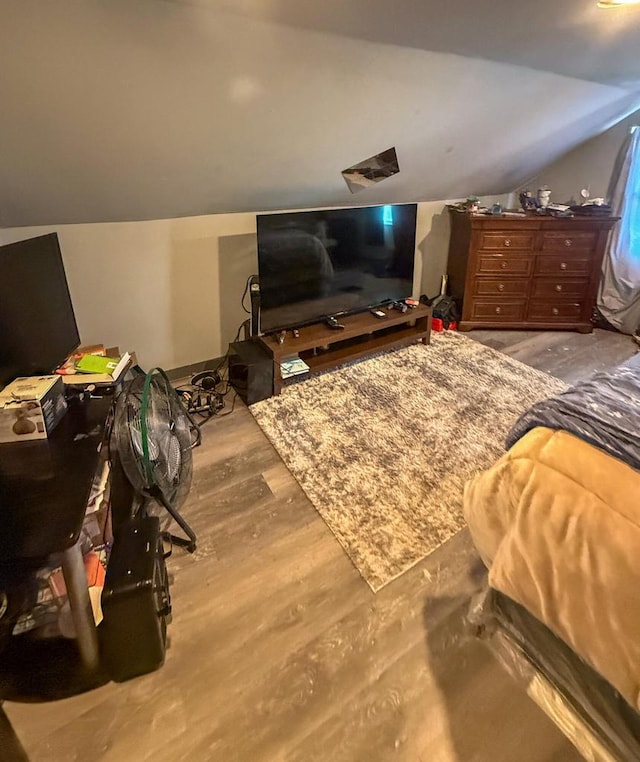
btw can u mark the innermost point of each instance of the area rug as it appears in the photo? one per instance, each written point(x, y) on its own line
point(383, 447)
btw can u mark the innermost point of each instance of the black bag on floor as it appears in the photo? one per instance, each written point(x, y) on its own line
point(445, 308)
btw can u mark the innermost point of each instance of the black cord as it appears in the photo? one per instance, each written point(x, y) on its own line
point(233, 404)
point(187, 391)
point(226, 354)
point(200, 402)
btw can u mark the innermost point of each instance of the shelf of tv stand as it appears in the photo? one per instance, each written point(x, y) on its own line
point(322, 347)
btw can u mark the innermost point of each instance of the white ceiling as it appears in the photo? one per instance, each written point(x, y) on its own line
point(126, 110)
point(571, 37)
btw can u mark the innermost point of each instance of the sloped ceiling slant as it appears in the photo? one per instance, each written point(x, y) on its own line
point(123, 111)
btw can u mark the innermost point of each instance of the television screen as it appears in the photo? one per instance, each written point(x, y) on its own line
point(331, 262)
point(37, 325)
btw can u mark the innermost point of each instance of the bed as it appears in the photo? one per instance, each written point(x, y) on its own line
point(557, 522)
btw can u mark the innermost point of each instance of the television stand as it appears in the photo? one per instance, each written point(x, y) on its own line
point(364, 334)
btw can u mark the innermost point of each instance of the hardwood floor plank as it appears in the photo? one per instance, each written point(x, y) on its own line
point(563, 354)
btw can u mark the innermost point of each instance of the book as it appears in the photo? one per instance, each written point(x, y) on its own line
point(68, 367)
point(97, 364)
point(107, 370)
point(293, 367)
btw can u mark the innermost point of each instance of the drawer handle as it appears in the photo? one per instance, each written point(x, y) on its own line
point(498, 310)
point(501, 287)
point(504, 265)
point(568, 242)
point(507, 242)
point(558, 287)
point(555, 311)
point(563, 265)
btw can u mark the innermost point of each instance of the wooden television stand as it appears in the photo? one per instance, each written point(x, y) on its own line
point(364, 334)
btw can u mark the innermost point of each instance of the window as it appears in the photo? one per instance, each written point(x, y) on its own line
point(631, 213)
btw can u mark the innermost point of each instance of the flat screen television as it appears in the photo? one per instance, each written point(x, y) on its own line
point(37, 325)
point(315, 264)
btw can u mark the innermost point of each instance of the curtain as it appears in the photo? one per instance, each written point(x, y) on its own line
point(619, 292)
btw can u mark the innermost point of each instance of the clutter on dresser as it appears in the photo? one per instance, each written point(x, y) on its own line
point(528, 201)
point(592, 210)
point(544, 197)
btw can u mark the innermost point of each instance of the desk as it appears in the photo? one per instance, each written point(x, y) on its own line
point(44, 487)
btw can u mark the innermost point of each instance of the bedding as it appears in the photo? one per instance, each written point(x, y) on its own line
point(604, 411)
point(557, 522)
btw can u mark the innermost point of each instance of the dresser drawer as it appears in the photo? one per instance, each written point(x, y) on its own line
point(506, 264)
point(518, 239)
point(558, 311)
point(498, 311)
point(570, 288)
point(569, 240)
point(501, 287)
point(553, 264)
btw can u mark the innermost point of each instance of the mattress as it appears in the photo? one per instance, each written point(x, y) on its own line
point(557, 522)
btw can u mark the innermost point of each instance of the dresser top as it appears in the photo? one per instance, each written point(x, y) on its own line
point(531, 221)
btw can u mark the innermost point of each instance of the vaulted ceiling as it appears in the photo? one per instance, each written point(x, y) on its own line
point(127, 110)
point(571, 37)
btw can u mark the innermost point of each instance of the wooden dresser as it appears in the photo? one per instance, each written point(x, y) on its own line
point(526, 272)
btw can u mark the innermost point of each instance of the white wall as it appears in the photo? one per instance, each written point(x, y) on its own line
point(587, 166)
point(171, 289)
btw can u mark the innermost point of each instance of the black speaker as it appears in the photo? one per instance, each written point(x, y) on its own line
point(254, 290)
point(135, 600)
point(250, 371)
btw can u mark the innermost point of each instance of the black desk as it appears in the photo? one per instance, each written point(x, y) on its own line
point(44, 488)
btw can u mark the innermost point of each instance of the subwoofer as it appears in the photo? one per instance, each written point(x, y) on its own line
point(250, 371)
point(135, 600)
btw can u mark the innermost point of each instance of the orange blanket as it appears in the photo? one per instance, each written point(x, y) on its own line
point(557, 522)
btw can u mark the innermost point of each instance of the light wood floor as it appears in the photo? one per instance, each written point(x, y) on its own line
point(280, 652)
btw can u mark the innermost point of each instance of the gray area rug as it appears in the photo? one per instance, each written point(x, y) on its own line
point(384, 447)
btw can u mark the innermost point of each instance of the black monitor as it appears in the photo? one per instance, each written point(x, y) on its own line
point(37, 325)
point(334, 261)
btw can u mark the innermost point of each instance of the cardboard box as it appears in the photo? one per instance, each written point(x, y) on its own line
point(30, 408)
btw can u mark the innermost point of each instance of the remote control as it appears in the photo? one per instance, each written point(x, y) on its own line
point(379, 314)
point(333, 323)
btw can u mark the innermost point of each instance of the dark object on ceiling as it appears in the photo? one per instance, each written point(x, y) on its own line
point(372, 170)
